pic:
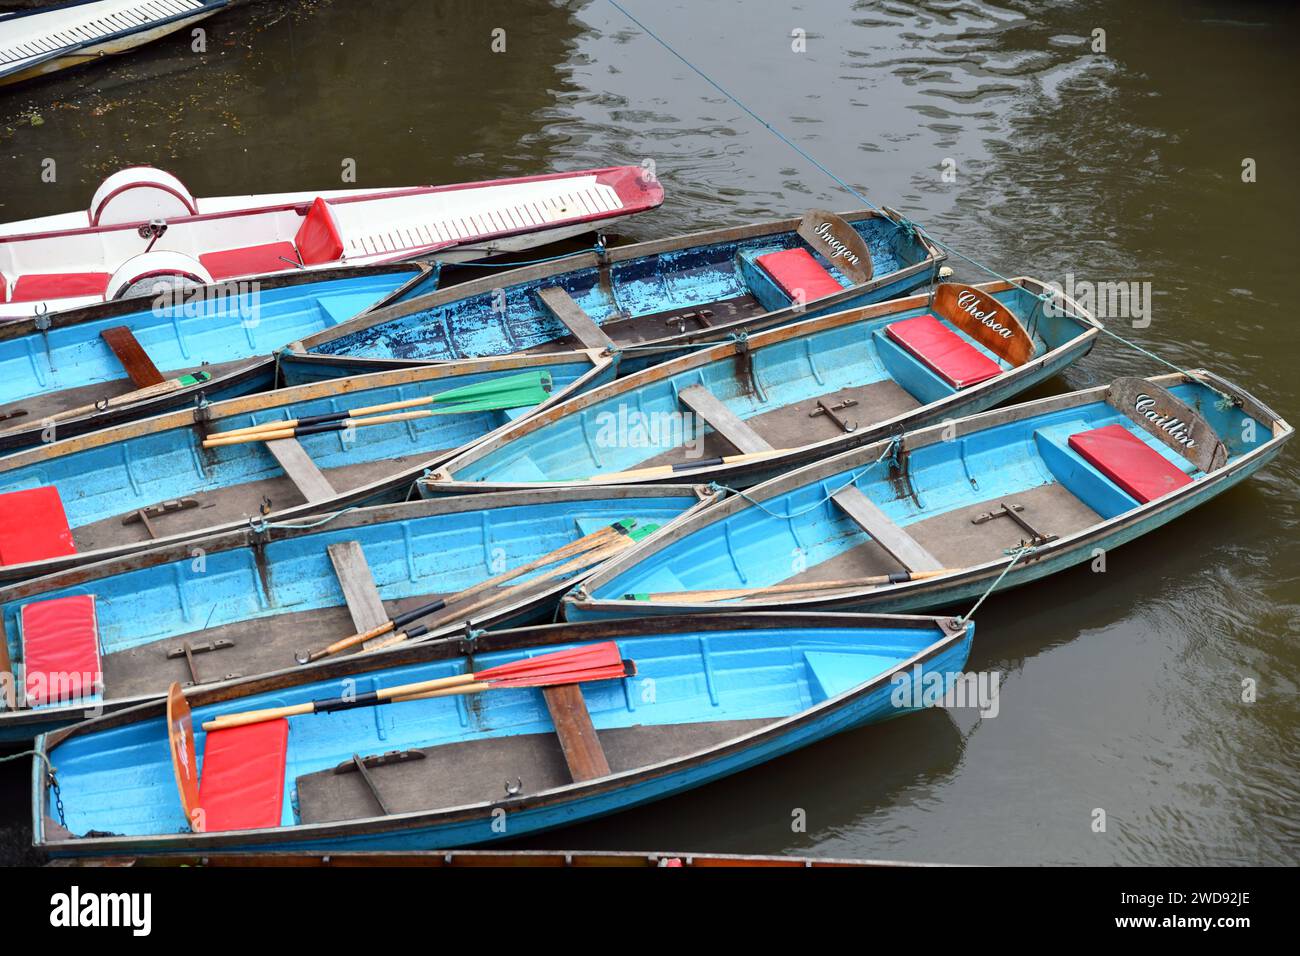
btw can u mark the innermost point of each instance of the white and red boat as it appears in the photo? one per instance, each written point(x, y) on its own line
point(143, 226)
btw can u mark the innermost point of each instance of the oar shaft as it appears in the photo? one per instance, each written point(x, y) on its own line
point(661, 471)
point(399, 621)
point(729, 594)
point(291, 430)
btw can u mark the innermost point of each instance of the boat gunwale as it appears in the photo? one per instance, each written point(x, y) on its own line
point(168, 421)
point(444, 481)
point(952, 632)
point(85, 575)
point(648, 249)
point(913, 441)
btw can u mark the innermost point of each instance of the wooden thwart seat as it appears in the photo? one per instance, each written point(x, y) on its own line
point(364, 603)
point(139, 366)
point(297, 464)
point(582, 751)
point(723, 420)
point(900, 545)
point(584, 328)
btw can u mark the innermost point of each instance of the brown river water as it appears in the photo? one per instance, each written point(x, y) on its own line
point(1120, 691)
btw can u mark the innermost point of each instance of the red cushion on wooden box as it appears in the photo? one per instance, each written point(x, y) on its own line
point(241, 786)
point(33, 526)
point(250, 260)
point(60, 649)
point(946, 353)
point(60, 285)
point(318, 238)
point(1129, 462)
point(796, 270)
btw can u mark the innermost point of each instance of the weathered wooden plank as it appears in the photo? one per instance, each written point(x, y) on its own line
point(561, 305)
point(723, 420)
point(900, 545)
point(1175, 423)
point(139, 366)
point(297, 464)
point(359, 591)
point(578, 740)
point(839, 242)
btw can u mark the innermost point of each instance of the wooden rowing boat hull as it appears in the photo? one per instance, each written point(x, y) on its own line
point(947, 479)
point(105, 478)
point(61, 362)
point(647, 298)
point(773, 383)
point(277, 591)
point(728, 695)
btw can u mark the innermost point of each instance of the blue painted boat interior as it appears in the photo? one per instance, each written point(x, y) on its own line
point(479, 326)
point(187, 334)
point(121, 780)
point(627, 428)
point(753, 547)
point(100, 482)
point(435, 554)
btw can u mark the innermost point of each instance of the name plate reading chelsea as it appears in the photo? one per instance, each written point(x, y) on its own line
point(1176, 424)
point(984, 319)
point(839, 242)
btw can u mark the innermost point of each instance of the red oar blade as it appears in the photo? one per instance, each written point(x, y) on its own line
point(590, 656)
point(581, 676)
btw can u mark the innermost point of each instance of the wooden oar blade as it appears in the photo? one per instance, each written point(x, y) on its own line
point(579, 676)
point(587, 657)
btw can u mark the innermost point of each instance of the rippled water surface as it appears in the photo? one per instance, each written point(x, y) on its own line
point(1122, 690)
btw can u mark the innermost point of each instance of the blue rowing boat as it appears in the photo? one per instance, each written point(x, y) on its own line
point(256, 600)
point(939, 514)
point(69, 373)
point(740, 412)
point(176, 476)
point(653, 299)
point(690, 700)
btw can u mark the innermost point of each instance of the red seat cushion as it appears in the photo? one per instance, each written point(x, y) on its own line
point(4, 288)
point(795, 269)
point(250, 260)
point(33, 526)
point(60, 649)
point(60, 285)
point(1129, 462)
point(241, 786)
point(946, 353)
point(318, 238)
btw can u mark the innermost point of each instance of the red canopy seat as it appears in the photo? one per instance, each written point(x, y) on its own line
point(60, 641)
point(33, 526)
point(799, 275)
point(242, 783)
point(59, 285)
point(1129, 462)
point(943, 351)
point(318, 242)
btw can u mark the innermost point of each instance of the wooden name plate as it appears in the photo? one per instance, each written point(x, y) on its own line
point(986, 320)
point(839, 242)
point(1172, 421)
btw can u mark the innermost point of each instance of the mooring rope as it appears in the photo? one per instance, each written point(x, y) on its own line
point(261, 524)
point(1019, 553)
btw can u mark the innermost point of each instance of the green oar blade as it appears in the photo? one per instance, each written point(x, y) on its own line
point(513, 391)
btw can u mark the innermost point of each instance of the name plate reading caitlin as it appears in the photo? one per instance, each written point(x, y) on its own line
point(839, 242)
point(1174, 422)
point(985, 319)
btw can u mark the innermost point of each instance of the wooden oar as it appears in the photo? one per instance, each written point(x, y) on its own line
point(151, 391)
point(458, 612)
point(575, 665)
point(528, 388)
point(661, 471)
point(596, 539)
point(298, 432)
point(730, 594)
